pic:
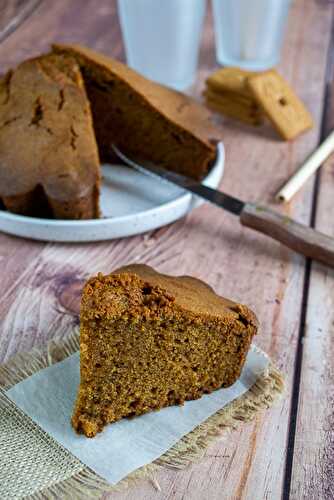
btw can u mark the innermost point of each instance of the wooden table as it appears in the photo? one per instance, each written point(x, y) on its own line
point(285, 452)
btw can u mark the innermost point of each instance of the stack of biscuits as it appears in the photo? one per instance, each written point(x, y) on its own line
point(227, 92)
point(250, 97)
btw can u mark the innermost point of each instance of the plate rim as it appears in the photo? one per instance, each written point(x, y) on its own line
point(58, 224)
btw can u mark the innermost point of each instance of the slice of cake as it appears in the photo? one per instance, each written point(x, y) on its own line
point(49, 164)
point(148, 340)
point(144, 118)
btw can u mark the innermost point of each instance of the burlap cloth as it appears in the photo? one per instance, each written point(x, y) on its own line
point(33, 465)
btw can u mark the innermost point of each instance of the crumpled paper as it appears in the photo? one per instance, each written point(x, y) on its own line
point(48, 398)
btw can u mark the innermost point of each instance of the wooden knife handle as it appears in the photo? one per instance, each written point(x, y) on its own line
point(300, 238)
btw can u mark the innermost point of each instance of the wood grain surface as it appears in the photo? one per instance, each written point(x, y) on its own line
point(287, 451)
point(313, 429)
point(13, 13)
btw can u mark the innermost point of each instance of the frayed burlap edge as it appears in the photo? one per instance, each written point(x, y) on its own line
point(85, 483)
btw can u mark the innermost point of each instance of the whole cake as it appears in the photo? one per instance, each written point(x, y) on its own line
point(144, 118)
point(148, 340)
point(49, 164)
point(50, 129)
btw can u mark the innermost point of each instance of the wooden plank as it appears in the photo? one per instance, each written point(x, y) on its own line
point(42, 301)
point(92, 23)
point(13, 13)
point(313, 459)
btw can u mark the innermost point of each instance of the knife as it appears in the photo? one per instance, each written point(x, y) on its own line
point(298, 237)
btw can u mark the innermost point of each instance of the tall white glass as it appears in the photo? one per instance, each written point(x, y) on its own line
point(162, 38)
point(249, 33)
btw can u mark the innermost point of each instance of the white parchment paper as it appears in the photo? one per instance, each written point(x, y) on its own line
point(49, 395)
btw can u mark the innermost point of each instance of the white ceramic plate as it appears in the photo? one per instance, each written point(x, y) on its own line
point(131, 202)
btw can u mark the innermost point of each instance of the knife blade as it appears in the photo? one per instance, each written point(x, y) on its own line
point(213, 196)
point(300, 238)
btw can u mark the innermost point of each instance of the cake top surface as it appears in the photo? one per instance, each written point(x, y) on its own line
point(176, 106)
point(189, 293)
point(45, 113)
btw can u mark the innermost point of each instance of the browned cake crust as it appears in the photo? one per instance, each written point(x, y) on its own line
point(144, 118)
point(49, 165)
point(148, 340)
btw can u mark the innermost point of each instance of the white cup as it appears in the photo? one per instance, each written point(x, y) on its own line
point(162, 38)
point(249, 33)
